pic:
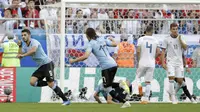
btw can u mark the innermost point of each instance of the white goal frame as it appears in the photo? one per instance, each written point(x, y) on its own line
point(64, 2)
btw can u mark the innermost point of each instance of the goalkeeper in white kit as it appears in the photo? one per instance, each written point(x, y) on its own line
point(147, 51)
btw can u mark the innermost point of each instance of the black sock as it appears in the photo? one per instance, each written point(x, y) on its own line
point(58, 91)
point(187, 93)
point(117, 96)
point(115, 85)
point(41, 83)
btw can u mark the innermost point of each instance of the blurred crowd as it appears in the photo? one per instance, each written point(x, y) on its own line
point(105, 21)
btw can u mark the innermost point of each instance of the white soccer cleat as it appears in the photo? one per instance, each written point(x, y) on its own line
point(126, 105)
point(123, 85)
point(193, 101)
point(174, 100)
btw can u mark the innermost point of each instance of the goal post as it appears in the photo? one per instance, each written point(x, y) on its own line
point(161, 28)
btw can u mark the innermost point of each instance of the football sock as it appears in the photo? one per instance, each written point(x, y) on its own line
point(187, 93)
point(171, 87)
point(117, 96)
point(40, 83)
point(147, 90)
point(177, 87)
point(115, 85)
point(58, 91)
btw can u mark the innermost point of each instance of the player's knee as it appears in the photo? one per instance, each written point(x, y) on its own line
point(171, 77)
point(147, 82)
point(32, 83)
point(180, 80)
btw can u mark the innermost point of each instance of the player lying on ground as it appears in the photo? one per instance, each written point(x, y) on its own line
point(98, 46)
point(174, 46)
point(45, 65)
point(147, 51)
point(116, 86)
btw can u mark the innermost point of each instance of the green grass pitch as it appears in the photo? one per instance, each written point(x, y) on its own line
point(81, 107)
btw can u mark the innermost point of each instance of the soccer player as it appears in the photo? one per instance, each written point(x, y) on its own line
point(98, 46)
point(116, 86)
point(147, 51)
point(174, 44)
point(184, 86)
point(45, 65)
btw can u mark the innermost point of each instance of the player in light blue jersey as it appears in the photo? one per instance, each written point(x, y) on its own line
point(45, 65)
point(98, 46)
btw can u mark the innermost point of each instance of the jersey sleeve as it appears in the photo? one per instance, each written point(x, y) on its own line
point(35, 43)
point(163, 44)
point(89, 48)
point(116, 49)
point(139, 42)
point(108, 42)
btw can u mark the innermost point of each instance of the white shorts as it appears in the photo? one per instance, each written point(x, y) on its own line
point(146, 72)
point(176, 71)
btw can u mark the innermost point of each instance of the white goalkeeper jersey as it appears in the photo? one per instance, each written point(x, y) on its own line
point(174, 50)
point(148, 46)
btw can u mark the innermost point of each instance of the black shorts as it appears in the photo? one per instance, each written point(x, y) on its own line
point(108, 76)
point(121, 92)
point(45, 71)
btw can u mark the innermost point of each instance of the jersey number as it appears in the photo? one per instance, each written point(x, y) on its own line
point(175, 46)
point(149, 46)
point(103, 48)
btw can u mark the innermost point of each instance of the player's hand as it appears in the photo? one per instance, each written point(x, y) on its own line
point(19, 43)
point(111, 39)
point(164, 66)
point(71, 60)
point(188, 70)
point(20, 56)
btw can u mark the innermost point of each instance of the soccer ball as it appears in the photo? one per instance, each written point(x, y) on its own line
point(7, 91)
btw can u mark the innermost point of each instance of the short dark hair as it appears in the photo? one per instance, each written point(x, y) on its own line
point(173, 25)
point(149, 28)
point(27, 31)
point(90, 32)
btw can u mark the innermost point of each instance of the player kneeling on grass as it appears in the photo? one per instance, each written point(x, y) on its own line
point(147, 51)
point(45, 65)
point(98, 46)
point(116, 86)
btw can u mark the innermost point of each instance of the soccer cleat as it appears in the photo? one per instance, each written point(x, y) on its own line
point(123, 85)
point(193, 101)
point(126, 105)
point(66, 103)
point(174, 100)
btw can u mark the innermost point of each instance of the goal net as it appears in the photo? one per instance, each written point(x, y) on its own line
point(112, 19)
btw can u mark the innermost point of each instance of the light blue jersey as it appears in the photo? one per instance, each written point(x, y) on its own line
point(39, 56)
point(99, 48)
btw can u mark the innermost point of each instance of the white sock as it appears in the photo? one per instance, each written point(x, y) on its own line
point(171, 87)
point(147, 91)
point(177, 87)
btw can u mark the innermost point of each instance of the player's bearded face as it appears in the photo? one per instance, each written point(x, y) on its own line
point(25, 37)
point(174, 31)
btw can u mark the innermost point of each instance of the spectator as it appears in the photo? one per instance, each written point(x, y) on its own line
point(18, 11)
point(79, 25)
point(130, 26)
point(124, 53)
point(49, 14)
point(8, 24)
point(102, 14)
point(32, 13)
point(10, 53)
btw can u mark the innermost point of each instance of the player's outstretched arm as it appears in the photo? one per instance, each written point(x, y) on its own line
point(29, 53)
point(183, 43)
point(113, 43)
point(163, 59)
point(82, 58)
